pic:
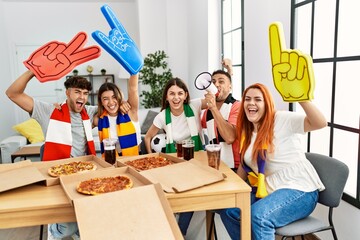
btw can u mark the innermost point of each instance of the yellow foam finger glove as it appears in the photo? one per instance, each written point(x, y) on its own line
point(293, 73)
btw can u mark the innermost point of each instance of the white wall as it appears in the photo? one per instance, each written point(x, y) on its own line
point(7, 107)
point(258, 16)
point(183, 30)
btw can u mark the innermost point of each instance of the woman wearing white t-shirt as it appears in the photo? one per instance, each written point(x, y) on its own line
point(179, 117)
point(285, 184)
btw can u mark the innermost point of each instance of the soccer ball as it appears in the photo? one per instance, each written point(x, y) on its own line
point(158, 143)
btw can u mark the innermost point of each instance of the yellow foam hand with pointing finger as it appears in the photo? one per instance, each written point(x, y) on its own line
point(292, 70)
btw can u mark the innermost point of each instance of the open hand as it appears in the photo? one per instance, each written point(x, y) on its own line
point(119, 44)
point(292, 70)
point(55, 59)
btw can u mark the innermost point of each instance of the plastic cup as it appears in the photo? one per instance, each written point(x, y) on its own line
point(188, 148)
point(213, 153)
point(109, 150)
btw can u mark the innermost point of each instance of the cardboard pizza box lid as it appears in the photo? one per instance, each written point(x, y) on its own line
point(18, 174)
point(183, 176)
point(70, 182)
point(45, 165)
point(139, 213)
point(121, 161)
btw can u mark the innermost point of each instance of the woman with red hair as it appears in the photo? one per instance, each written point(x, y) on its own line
point(285, 185)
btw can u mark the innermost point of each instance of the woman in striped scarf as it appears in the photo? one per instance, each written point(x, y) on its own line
point(179, 117)
point(112, 123)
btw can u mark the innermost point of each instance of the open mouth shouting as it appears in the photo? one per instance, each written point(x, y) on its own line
point(79, 104)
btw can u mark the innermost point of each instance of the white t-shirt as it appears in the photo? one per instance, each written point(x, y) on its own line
point(180, 129)
point(287, 166)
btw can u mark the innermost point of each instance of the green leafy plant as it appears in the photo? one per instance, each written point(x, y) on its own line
point(155, 73)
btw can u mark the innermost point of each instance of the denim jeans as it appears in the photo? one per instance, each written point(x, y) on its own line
point(184, 221)
point(61, 230)
point(276, 210)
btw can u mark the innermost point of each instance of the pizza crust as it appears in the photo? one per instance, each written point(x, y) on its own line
point(71, 168)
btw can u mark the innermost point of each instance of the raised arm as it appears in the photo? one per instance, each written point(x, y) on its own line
point(314, 118)
point(16, 92)
point(133, 96)
point(227, 64)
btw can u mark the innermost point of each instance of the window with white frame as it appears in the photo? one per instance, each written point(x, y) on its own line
point(232, 41)
point(328, 31)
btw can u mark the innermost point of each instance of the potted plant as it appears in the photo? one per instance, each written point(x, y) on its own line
point(103, 71)
point(155, 73)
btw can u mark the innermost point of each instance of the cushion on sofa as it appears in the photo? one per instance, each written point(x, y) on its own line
point(31, 130)
point(148, 121)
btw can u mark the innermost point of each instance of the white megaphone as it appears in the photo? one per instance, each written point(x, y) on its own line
point(203, 82)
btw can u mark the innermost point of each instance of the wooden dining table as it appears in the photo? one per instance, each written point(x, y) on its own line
point(37, 204)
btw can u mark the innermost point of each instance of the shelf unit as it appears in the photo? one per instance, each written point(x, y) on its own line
point(96, 81)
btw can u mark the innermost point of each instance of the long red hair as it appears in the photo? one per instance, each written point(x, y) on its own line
point(265, 131)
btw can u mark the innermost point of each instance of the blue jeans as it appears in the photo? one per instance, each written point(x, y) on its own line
point(61, 230)
point(184, 221)
point(276, 210)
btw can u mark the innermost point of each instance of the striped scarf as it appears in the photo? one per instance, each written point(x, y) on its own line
point(193, 126)
point(58, 139)
point(125, 130)
point(213, 133)
point(256, 180)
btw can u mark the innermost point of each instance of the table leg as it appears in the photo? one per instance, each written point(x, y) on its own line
point(210, 224)
point(243, 202)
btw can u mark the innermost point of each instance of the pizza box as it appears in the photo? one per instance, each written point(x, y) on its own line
point(179, 177)
point(18, 174)
point(45, 165)
point(70, 182)
point(120, 162)
point(183, 176)
point(138, 213)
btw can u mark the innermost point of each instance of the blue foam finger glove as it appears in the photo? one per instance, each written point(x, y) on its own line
point(119, 44)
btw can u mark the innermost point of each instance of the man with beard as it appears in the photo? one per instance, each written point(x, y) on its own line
point(68, 130)
point(220, 116)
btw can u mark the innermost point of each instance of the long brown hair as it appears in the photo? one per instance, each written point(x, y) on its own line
point(108, 86)
point(265, 131)
point(178, 82)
